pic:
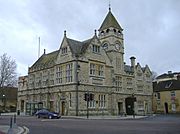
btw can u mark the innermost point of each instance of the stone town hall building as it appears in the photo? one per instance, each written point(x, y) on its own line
point(59, 80)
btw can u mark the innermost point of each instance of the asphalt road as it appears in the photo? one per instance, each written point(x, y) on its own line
point(162, 124)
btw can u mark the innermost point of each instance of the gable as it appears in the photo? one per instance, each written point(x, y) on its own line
point(64, 48)
point(147, 71)
point(88, 49)
point(139, 69)
point(95, 52)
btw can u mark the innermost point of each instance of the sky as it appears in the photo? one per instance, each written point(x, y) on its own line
point(151, 28)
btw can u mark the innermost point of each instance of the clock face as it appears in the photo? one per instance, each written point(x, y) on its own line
point(117, 46)
point(105, 46)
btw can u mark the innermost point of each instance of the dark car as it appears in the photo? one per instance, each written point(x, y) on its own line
point(44, 113)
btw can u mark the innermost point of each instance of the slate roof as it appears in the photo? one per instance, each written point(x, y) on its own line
point(78, 47)
point(143, 69)
point(46, 60)
point(110, 21)
point(165, 75)
point(128, 69)
point(166, 85)
point(75, 46)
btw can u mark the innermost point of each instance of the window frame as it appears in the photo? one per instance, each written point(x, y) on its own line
point(69, 68)
point(92, 69)
point(95, 48)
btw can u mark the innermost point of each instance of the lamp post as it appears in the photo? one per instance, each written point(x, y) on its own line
point(4, 101)
point(134, 99)
point(87, 97)
point(77, 69)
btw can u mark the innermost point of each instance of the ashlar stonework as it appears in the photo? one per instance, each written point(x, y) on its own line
point(59, 80)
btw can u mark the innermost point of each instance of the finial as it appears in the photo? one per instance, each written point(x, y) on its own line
point(64, 32)
point(95, 31)
point(109, 5)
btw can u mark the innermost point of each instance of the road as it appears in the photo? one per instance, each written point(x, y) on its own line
point(162, 124)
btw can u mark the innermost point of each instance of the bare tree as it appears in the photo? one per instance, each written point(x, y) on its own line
point(8, 75)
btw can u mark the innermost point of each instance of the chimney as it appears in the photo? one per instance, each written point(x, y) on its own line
point(44, 51)
point(132, 61)
point(169, 72)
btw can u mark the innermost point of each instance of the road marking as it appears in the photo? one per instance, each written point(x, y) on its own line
point(49, 119)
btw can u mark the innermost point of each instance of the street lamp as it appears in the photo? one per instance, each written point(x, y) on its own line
point(77, 69)
point(133, 99)
point(4, 103)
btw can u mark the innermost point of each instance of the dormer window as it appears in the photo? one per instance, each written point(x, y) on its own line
point(96, 49)
point(168, 85)
point(64, 50)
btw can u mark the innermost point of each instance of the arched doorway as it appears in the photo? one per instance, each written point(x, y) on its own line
point(166, 107)
point(120, 108)
point(62, 108)
point(129, 105)
point(22, 106)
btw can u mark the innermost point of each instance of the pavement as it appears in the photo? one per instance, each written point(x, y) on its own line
point(5, 129)
point(12, 128)
point(105, 117)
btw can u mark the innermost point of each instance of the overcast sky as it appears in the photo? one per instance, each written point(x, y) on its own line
point(151, 28)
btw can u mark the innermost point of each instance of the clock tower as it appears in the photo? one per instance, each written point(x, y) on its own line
point(111, 37)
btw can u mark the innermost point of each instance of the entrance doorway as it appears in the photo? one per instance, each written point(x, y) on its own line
point(22, 105)
point(120, 108)
point(129, 105)
point(166, 107)
point(62, 108)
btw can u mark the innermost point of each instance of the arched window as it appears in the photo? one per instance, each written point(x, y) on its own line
point(102, 32)
point(107, 31)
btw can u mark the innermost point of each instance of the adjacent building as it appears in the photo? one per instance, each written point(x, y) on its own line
point(59, 80)
point(167, 93)
point(8, 99)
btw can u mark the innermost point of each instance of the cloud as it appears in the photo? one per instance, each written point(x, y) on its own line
point(150, 28)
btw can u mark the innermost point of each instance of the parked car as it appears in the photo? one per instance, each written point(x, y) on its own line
point(44, 113)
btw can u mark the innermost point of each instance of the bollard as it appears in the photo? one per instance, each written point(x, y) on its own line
point(14, 123)
point(11, 122)
point(10, 130)
point(14, 118)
